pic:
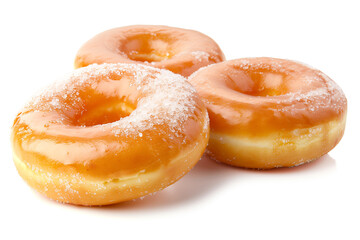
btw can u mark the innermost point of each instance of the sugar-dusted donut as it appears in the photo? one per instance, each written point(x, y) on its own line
point(110, 133)
point(179, 50)
point(266, 112)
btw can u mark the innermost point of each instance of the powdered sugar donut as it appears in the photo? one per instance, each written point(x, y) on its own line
point(267, 112)
point(179, 50)
point(110, 133)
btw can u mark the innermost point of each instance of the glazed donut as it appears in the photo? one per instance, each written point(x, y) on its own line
point(267, 113)
point(110, 133)
point(179, 50)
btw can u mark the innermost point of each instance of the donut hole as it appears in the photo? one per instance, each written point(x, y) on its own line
point(257, 83)
point(268, 84)
point(148, 48)
point(103, 113)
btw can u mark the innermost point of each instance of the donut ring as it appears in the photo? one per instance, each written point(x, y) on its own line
point(266, 112)
point(179, 50)
point(110, 133)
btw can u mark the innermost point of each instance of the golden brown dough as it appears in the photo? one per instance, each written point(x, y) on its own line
point(110, 133)
point(266, 112)
point(179, 50)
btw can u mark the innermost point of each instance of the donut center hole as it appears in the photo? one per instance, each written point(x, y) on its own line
point(148, 48)
point(259, 83)
point(104, 113)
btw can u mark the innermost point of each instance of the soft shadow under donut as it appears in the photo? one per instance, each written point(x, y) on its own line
point(203, 179)
point(207, 176)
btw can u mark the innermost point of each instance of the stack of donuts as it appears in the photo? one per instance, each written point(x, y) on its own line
point(146, 102)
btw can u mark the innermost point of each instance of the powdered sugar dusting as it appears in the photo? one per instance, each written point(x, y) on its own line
point(307, 95)
point(314, 90)
point(200, 56)
point(169, 100)
point(166, 98)
point(328, 96)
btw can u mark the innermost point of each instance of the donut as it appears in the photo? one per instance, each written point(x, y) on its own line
point(181, 51)
point(110, 133)
point(267, 113)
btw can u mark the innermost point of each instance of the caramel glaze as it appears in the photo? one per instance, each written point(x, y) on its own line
point(257, 96)
point(179, 50)
point(267, 112)
point(72, 131)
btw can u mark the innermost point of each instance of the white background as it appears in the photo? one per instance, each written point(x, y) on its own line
point(38, 42)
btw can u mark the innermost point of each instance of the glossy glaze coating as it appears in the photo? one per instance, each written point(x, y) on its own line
point(179, 50)
point(110, 133)
point(272, 104)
